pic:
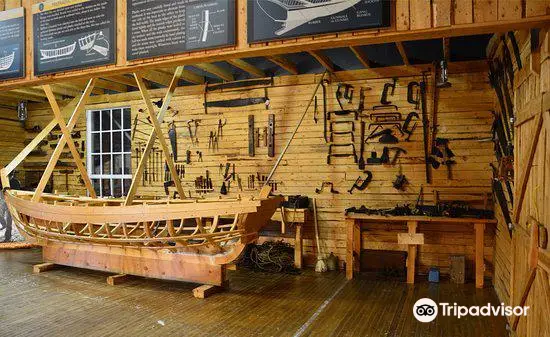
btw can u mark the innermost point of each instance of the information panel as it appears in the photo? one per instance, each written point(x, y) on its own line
point(73, 34)
point(12, 43)
point(164, 27)
point(281, 19)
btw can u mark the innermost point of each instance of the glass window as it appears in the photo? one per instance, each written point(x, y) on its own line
point(109, 153)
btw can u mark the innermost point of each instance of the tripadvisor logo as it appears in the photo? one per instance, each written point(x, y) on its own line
point(426, 310)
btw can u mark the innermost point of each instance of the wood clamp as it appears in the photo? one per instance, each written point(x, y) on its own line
point(361, 183)
point(326, 184)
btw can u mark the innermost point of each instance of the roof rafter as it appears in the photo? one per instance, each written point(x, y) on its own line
point(361, 56)
point(247, 67)
point(402, 52)
point(323, 60)
point(284, 63)
point(216, 71)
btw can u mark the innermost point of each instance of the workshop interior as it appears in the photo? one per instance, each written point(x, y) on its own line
point(274, 167)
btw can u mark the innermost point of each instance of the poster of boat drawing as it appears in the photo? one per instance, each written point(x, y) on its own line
point(63, 44)
point(12, 43)
point(279, 19)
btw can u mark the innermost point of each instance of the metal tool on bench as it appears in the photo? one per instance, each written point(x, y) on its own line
point(341, 155)
point(326, 184)
point(361, 183)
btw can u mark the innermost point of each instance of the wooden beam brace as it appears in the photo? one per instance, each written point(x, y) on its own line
point(526, 163)
point(284, 63)
point(66, 138)
point(121, 79)
point(28, 149)
point(323, 60)
point(361, 56)
point(403, 53)
point(156, 120)
point(191, 77)
point(247, 67)
point(216, 70)
point(157, 77)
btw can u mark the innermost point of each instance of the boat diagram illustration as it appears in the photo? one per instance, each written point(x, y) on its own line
point(7, 61)
point(95, 42)
point(300, 12)
point(47, 54)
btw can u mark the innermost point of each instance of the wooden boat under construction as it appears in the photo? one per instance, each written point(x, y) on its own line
point(187, 240)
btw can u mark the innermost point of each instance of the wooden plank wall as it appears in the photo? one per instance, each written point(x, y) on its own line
point(408, 16)
point(12, 135)
point(464, 112)
point(532, 84)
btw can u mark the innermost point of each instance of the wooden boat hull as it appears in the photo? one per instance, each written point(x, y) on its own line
point(144, 239)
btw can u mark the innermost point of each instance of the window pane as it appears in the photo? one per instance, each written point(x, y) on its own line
point(127, 118)
point(127, 184)
point(105, 120)
point(106, 164)
point(117, 141)
point(95, 143)
point(117, 119)
point(127, 164)
point(117, 164)
point(117, 188)
point(96, 164)
point(127, 141)
point(95, 120)
point(106, 142)
point(97, 184)
point(106, 187)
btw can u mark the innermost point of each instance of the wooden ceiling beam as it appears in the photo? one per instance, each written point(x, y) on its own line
point(11, 95)
point(284, 63)
point(304, 44)
point(216, 71)
point(103, 84)
point(247, 67)
point(361, 56)
point(32, 93)
point(121, 79)
point(80, 89)
point(402, 52)
point(158, 77)
point(323, 60)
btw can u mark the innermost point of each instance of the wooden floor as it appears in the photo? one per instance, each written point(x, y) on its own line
point(75, 302)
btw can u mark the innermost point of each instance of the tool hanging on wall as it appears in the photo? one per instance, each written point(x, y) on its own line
point(315, 110)
point(387, 86)
point(498, 191)
point(361, 106)
point(386, 136)
point(413, 90)
point(239, 102)
point(425, 127)
point(188, 157)
point(251, 141)
point(271, 136)
point(344, 113)
point(172, 135)
point(326, 184)
point(361, 163)
point(341, 155)
point(385, 116)
point(515, 47)
point(220, 127)
point(347, 95)
point(406, 124)
point(361, 183)
point(325, 117)
point(400, 183)
point(240, 84)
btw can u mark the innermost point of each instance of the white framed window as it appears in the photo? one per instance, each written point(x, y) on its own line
point(109, 150)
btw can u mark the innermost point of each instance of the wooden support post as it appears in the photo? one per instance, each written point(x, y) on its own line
point(350, 247)
point(42, 267)
point(411, 256)
point(114, 280)
point(298, 248)
point(479, 260)
point(66, 139)
point(156, 132)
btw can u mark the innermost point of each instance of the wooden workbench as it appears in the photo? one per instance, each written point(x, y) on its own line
point(297, 217)
point(355, 222)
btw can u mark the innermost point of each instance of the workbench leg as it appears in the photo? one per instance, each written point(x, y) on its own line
point(411, 254)
point(351, 247)
point(298, 248)
point(480, 244)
